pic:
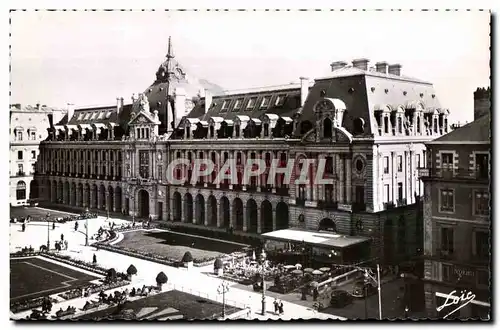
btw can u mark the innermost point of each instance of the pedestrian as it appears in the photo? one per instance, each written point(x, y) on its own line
point(62, 237)
point(76, 225)
point(54, 225)
point(94, 259)
point(23, 227)
point(281, 307)
point(276, 306)
point(315, 294)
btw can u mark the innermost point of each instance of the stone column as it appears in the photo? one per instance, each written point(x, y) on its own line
point(274, 217)
point(219, 215)
point(348, 180)
point(340, 192)
point(259, 220)
point(313, 179)
point(245, 218)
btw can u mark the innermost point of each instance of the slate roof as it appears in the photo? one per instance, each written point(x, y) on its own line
point(282, 102)
point(101, 115)
point(477, 131)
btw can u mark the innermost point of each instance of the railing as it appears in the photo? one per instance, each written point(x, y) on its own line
point(453, 173)
point(19, 173)
point(327, 205)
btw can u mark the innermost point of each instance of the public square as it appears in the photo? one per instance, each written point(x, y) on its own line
point(196, 282)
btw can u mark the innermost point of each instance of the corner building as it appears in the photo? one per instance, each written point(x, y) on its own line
point(369, 124)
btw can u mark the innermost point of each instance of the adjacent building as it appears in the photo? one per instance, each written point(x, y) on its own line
point(28, 127)
point(457, 220)
point(368, 125)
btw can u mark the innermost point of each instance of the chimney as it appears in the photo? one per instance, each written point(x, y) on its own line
point(395, 69)
point(71, 110)
point(338, 65)
point(381, 67)
point(304, 90)
point(38, 106)
point(208, 100)
point(119, 105)
point(360, 63)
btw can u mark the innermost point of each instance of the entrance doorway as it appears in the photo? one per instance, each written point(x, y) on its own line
point(143, 204)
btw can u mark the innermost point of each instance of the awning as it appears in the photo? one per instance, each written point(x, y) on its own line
point(329, 240)
point(287, 119)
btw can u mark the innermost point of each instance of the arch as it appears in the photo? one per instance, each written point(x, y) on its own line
point(200, 209)
point(282, 216)
point(54, 191)
point(212, 211)
point(21, 190)
point(60, 191)
point(102, 197)
point(327, 224)
point(72, 200)
point(225, 212)
point(177, 206)
point(238, 214)
point(110, 201)
point(188, 208)
point(359, 126)
point(93, 196)
point(266, 216)
point(327, 128)
point(34, 192)
point(80, 196)
point(252, 216)
point(118, 199)
point(143, 199)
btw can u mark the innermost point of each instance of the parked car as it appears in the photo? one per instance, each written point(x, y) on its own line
point(340, 299)
point(363, 289)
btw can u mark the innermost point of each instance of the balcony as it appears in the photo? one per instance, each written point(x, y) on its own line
point(266, 189)
point(453, 173)
point(20, 173)
point(282, 191)
point(300, 202)
point(327, 205)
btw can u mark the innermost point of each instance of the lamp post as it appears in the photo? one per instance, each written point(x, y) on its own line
point(368, 276)
point(48, 231)
point(263, 260)
point(223, 289)
point(87, 226)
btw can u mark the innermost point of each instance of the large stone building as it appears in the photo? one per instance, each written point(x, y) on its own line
point(457, 220)
point(28, 126)
point(369, 124)
point(482, 102)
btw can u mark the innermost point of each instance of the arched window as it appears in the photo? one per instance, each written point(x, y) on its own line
point(212, 131)
point(237, 131)
point(21, 190)
point(266, 129)
point(327, 128)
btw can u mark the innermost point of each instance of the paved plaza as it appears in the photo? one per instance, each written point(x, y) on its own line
point(193, 281)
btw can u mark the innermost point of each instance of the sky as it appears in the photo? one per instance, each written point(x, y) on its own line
point(91, 58)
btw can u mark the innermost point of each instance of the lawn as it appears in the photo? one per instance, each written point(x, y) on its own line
point(36, 213)
point(174, 245)
point(34, 277)
point(175, 304)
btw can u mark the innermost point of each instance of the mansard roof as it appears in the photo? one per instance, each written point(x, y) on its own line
point(98, 115)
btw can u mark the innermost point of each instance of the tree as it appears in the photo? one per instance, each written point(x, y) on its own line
point(218, 264)
point(131, 270)
point(187, 257)
point(161, 279)
point(111, 275)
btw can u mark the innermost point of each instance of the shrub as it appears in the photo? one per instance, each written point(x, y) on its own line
point(131, 270)
point(218, 264)
point(111, 275)
point(187, 257)
point(161, 278)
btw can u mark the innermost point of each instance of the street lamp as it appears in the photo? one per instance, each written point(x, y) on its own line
point(86, 226)
point(223, 289)
point(48, 231)
point(263, 260)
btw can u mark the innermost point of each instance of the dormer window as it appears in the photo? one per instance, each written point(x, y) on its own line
point(225, 105)
point(237, 131)
point(280, 100)
point(251, 103)
point(266, 129)
point(87, 116)
point(108, 114)
point(265, 102)
point(94, 116)
point(400, 125)
point(237, 104)
point(80, 116)
point(101, 115)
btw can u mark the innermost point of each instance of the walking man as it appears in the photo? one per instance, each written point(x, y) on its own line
point(62, 237)
point(281, 307)
point(76, 225)
point(54, 225)
point(276, 306)
point(23, 227)
point(94, 259)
